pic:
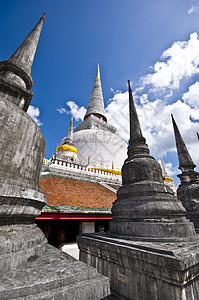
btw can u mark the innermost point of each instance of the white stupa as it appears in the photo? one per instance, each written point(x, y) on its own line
point(95, 138)
point(93, 152)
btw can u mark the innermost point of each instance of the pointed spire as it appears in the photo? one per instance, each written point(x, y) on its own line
point(197, 135)
point(17, 69)
point(137, 143)
point(185, 161)
point(98, 73)
point(145, 209)
point(23, 57)
point(69, 136)
point(164, 172)
point(112, 165)
point(56, 150)
point(96, 102)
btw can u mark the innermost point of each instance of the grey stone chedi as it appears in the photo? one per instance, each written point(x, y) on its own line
point(188, 191)
point(145, 207)
point(29, 267)
point(151, 250)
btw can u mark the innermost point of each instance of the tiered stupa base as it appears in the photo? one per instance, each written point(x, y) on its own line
point(31, 269)
point(148, 211)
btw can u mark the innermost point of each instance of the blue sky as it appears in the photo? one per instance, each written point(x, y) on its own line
point(128, 39)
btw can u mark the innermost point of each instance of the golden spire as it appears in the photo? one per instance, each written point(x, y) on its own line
point(98, 73)
point(89, 158)
point(112, 165)
point(56, 150)
point(164, 173)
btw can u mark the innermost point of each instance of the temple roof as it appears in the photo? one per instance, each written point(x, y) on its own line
point(96, 102)
point(77, 193)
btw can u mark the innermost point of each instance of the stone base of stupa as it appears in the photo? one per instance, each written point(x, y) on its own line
point(56, 275)
point(144, 270)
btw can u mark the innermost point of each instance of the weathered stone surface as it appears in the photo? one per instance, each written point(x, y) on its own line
point(151, 250)
point(19, 244)
point(21, 156)
point(30, 269)
point(145, 207)
point(189, 195)
point(144, 270)
point(22, 149)
point(55, 275)
point(141, 211)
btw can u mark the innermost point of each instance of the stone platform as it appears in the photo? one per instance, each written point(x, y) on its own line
point(56, 275)
point(144, 270)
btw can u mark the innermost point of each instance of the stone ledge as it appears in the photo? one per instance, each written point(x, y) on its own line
point(144, 270)
point(55, 275)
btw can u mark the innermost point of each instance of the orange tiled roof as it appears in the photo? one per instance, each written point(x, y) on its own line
point(70, 192)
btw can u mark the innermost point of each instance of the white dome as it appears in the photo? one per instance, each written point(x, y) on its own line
point(101, 146)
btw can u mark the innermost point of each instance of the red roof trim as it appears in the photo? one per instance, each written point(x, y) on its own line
point(51, 217)
point(97, 115)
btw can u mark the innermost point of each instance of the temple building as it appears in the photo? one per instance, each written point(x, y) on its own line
point(82, 178)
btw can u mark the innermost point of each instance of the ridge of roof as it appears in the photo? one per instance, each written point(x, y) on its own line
point(50, 174)
point(75, 209)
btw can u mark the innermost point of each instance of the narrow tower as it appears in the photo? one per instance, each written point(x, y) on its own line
point(69, 136)
point(25, 255)
point(21, 158)
point(96, 102)
point(66, 148)
point(188, 191)
point(164, 172)
point(145, 208)
point(16, 71)
point(95, 136)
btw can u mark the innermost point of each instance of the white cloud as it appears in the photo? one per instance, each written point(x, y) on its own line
point(62, 110)
point(192, 96)
point(77, 112)
point(170, 170)
point(193, 9)
point(155, 120)
point(181, 60)
point(34, 113)
point(117, 113)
